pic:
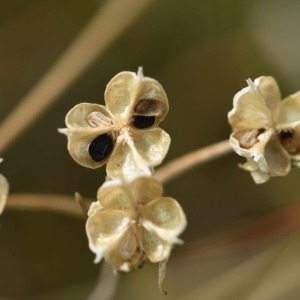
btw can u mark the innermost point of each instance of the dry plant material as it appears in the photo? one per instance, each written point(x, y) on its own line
point(130, 221)
point(4, 188)
point(266, 130)
point(124, 133)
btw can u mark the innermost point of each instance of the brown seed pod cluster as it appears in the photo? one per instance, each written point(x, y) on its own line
point(124, 134)
point(266, 130)
point(130, 221)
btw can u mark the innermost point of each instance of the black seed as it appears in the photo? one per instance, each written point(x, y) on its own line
point(101, 147)
point(285, 134)
point(143, 121)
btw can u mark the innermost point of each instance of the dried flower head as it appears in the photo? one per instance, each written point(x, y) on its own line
point(4, 187)
point(266, 130)
point(124, 133)
point(131, 221)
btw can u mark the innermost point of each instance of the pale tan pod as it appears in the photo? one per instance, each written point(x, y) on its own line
point(78, 116)
point(265, 129)
point(277, 158)
point(151, 100)
point(4, 188)
point(127, 254)
point(165, 217)
point(124, 163)
point(145, 189)
point(104, 229)
point(152, 145)
point(78, 144)
point(115, 197)
point(86, 121)
point(249, 110)
point(251, 166)
point(131, 220)
point(289, 109)
point(120, 94)
point(269, 89)
point(154, 246)
point(133, 145)
point(130, 93)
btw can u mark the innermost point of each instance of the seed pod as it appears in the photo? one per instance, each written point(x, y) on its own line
point(129, 94)
point(123, 133)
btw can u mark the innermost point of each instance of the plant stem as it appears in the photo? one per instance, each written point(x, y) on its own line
point(184, 163)
point(47, 202)
point(106, 284)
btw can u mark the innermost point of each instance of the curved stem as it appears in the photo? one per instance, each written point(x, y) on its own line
point(47, 202)
point(192, 159)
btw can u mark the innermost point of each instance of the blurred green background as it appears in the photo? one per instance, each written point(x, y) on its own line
point(201, 51)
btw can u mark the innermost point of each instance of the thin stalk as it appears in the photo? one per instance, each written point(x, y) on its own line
point(188, 161)
point(44, 202)
point(106, 284)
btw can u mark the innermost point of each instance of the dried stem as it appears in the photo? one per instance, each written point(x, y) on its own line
point(48, 202)
point(107, 24)
point(105, 287)
point(191, 160)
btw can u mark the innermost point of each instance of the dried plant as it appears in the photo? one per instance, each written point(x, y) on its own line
point(266, 130)
point(132, 222)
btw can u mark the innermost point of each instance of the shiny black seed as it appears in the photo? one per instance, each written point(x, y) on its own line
point(100, 147)
point(143, 121)
point(285, 134)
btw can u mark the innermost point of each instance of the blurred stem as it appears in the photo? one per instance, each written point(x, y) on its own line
point(45, 202)
point(188, 161)
point(106, 284)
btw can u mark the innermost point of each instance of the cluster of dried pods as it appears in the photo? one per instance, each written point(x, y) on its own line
point(131, 221)
point(266, 130)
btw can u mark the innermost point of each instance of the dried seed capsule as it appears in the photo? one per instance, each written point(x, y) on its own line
point(289, 141)
point(101, 147)
point(143, 121)
point(149, 107)
point(124, 130)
